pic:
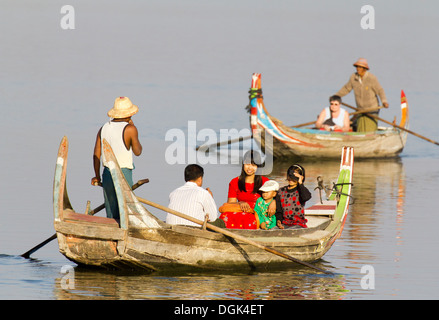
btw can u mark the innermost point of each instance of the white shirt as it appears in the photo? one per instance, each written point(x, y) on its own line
point(193, 201)
point(113, 133)
point(339, 121)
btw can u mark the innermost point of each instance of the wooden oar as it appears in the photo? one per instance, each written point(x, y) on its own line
point(393, 124)
point(351, 114)
point(231, 234)
point(230, 141)
point(93, 212)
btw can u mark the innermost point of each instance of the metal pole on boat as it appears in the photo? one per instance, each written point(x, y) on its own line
point(232, 235)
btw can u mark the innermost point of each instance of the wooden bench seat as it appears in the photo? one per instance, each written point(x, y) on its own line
point(80, 217)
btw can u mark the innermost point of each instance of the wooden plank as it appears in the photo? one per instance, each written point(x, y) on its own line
point(73, 216)
point(89, 230)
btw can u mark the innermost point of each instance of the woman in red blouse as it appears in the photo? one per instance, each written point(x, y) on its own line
point(244, 190)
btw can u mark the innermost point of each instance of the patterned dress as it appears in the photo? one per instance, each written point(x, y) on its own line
point(290, 204)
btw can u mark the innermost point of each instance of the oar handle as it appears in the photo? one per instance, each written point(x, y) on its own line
point(351, 114)
point(134, 187)
point(394, 125)
point(139, 183)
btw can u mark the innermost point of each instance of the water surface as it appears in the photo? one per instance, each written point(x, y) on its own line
point(193, 62)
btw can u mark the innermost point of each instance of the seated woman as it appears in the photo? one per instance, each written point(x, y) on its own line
point(238, 212)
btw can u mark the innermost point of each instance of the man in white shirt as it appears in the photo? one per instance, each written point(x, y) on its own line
point(123, 137)
point(192, 199)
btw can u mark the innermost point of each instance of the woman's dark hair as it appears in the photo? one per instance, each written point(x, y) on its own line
point(253, 157)
point(296, 168)
point(193, 172)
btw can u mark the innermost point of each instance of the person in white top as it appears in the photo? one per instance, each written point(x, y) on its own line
point(193, 200)
point(334, 117)
point(122, 135)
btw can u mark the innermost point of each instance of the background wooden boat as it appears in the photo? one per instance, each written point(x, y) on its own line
point(283, 141)
point(141, 241)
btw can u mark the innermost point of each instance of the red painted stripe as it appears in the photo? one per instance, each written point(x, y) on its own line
point(322, 207)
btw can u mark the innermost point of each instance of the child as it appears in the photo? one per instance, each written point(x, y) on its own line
point(269, 191)
point(291, 199)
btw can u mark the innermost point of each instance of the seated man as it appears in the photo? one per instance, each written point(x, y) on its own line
point(334, 117)
point(192, 200)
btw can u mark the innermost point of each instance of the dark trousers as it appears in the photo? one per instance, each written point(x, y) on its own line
point(111, 204)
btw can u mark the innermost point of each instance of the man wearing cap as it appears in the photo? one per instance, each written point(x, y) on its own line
point(367, 90)
point(121, 133)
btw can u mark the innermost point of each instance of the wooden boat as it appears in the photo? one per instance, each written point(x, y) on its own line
point(283, 141)
point(142, 241)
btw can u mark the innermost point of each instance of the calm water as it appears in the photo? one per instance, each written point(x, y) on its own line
point(193, 62)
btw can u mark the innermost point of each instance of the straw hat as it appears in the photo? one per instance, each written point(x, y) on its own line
point(361, 62)
point(123, 108)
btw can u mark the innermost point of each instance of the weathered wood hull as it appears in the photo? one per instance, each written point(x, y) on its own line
point(186, 247)
point(141, 241)
point(283, 141)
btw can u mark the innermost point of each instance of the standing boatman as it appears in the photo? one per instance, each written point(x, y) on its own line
point(122, 135)
point(367, 90)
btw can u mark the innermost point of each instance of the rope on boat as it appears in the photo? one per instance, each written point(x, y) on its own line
point(339, 193)
point(253, 93)
point(328, 191)
point(321, 187)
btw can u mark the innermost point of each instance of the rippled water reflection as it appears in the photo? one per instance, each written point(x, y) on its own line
point(295, 284)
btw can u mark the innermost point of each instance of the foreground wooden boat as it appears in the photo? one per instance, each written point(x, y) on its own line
point(141, 241)
point(283, 141)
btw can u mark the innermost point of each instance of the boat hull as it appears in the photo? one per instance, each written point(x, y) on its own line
point(180, 247)
point(141, 241)
point(314, 144)
point(283, 141)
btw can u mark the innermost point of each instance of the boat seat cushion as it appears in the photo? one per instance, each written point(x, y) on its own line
point(325, 209)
